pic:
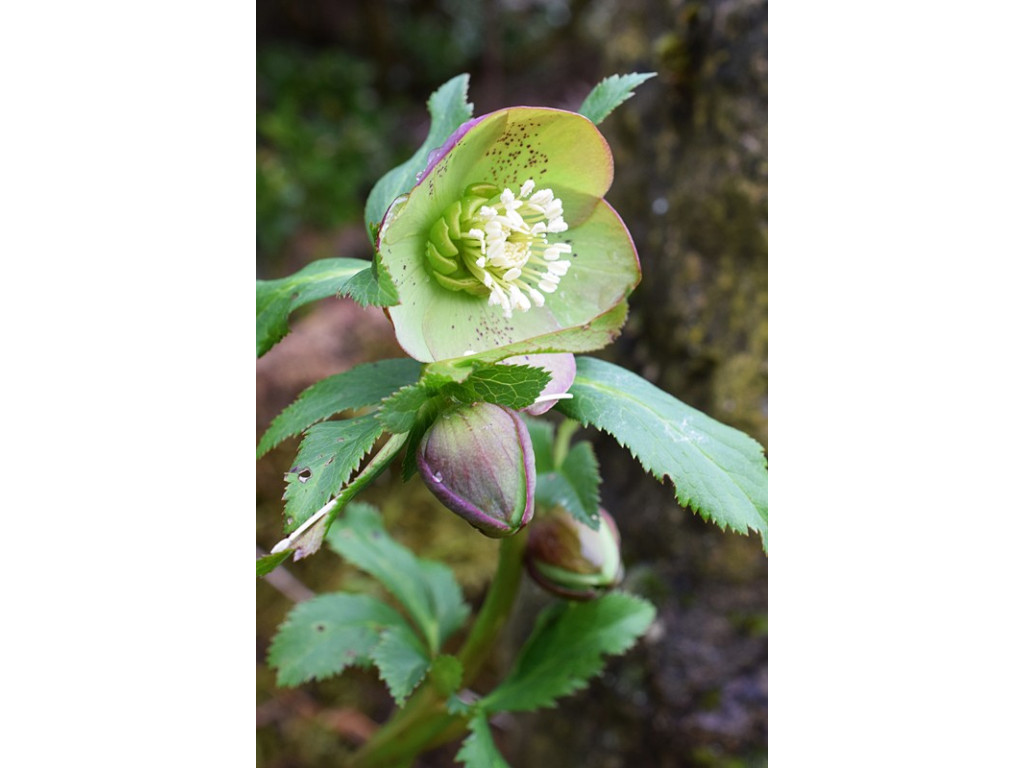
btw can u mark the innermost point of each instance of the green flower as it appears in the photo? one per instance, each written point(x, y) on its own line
point(506, 236)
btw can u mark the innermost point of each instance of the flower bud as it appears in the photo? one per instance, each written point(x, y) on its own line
point(561, 366)
point(478, 460)
point(573, 561)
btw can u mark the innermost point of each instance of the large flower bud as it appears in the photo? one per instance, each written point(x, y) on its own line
point(478, 460)
point(571, 560)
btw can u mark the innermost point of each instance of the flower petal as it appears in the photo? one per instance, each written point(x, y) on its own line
point(604, 269)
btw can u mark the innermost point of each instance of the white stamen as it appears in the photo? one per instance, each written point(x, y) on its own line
point(549, 398)
point(516, 262)
point(517, 298)
point(543, 198)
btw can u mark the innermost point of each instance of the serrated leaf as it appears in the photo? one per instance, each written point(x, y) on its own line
point(542, 435)
point(444, 597)
point(437, 374)
point(358, 387)
point(402, 661)
point(277, 299)
point(566, 649)
point(427, 590)
point(328, 455)
point(267, 563)
point(479, 750)
point(323, 636)
point(581, 470)
point(717, 471)
point(574, 485)
point(398, 412)
point(372, 287)
point(514, 386)
point(448, 110)
point(610, 93)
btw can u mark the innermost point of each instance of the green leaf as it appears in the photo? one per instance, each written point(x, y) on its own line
point(610, 93)
point(402, 661)
point(717, 471)
point(267, 563)
point(398, 413)
point(566, 649)
point(277, 299)
point(323, 636)
point(328, 455)
point(448, 110)
point(427, 590)
point(574, 485)
point(542, 435)
point(444, 597)
point(372, 287)
point(581, 470)
point(478, 750)
point(514, 386)
point(359, 387)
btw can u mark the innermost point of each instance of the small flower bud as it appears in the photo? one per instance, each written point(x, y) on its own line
point(478, 460)
point(573, 561)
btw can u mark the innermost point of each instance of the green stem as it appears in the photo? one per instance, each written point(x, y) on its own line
point(496, 608)
point(562, 439)
point(376, 465)
point(424, 722)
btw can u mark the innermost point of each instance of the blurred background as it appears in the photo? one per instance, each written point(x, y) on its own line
point(341, 93)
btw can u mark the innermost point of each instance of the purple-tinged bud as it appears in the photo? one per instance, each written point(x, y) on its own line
point(478, 460)
point(573, 561)
point(561, 366)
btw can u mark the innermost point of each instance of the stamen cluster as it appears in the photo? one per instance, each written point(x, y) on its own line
point(496, 245)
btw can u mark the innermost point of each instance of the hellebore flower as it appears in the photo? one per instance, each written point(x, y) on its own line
point(478, 460)
point(567, 558)
point(506, 236)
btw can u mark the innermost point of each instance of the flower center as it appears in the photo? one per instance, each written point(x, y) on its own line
point(496, 245)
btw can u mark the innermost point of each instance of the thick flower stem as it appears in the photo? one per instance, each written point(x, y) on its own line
point(424, 722)
point(496, 608)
